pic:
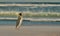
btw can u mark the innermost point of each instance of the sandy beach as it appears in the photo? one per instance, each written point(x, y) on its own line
point(30, 31)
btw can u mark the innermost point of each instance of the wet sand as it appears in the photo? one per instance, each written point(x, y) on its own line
point(30, 31)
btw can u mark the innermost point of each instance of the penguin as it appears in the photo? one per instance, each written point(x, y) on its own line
point(19, 21)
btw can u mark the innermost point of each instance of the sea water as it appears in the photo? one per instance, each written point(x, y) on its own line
point(27, 22)
point(28, 9)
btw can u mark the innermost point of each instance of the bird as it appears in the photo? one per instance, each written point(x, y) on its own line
point(19, 21)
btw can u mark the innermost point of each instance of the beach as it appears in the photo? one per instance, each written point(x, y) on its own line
point(44, 30)
point(39, 18)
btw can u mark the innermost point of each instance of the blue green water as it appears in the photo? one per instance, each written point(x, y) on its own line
point(29, 9)
point(27, 23)
point(29, 2)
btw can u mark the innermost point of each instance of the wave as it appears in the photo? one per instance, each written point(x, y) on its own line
point(44, 5)
point(34, 19)
point(31, 8)
point(30, 14)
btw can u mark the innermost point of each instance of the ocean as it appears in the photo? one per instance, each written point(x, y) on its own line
point(27, 23)
point(32, 8)
point(29, 9)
